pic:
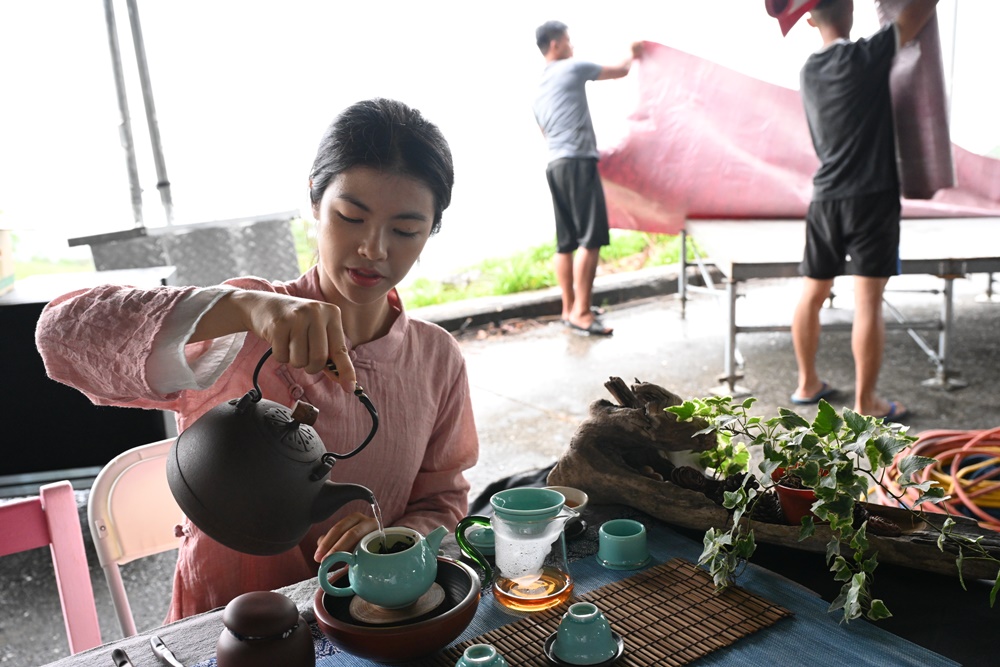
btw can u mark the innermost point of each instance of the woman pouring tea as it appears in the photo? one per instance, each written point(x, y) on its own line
point(380, 181)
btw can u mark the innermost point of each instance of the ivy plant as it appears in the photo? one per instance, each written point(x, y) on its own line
point(840, 456)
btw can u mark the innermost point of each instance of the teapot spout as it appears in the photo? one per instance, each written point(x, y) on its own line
point(333, 496)
point(435, 537)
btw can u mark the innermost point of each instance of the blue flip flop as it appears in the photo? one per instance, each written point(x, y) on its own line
point(825, 391)
point(895, 413)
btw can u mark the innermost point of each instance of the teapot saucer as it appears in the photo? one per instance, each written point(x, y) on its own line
point(366, 612)
point(550, 653)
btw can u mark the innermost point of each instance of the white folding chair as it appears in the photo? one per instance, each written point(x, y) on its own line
point(51, 518)
point(132, 514)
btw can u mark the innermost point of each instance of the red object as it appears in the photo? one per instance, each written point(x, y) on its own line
point(795, 503)
point(708, 142)
point(788, 12)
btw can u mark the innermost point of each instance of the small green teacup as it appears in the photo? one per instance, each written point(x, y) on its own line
point(622, 545)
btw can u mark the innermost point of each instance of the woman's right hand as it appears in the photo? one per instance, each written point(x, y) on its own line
point(303, 333)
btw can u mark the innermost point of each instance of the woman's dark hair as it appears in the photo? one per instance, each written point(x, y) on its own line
point(545, 33)
point(389, 136)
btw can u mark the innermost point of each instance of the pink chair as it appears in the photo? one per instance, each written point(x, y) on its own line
point(132, 514)
point(51, 518)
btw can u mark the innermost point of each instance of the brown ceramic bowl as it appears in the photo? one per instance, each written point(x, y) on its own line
point(411, 639)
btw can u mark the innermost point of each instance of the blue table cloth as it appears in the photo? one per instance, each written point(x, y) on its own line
point(812, 636)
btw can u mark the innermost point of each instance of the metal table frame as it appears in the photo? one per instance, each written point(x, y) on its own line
point(947, 248)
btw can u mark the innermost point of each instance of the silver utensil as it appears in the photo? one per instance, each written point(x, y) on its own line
point(163, 652)
point(121, 658)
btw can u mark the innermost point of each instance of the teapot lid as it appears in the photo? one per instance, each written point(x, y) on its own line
point(260, 615)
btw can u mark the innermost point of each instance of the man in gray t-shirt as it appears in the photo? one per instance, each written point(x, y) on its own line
point(577, 196)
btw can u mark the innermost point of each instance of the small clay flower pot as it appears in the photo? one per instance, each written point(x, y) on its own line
point(795, 503)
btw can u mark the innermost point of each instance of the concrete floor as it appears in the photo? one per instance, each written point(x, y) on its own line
point(532, 385)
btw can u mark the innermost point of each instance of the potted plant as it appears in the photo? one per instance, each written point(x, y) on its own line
point(836, 459)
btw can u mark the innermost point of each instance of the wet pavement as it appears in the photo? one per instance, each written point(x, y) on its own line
point(533, 379)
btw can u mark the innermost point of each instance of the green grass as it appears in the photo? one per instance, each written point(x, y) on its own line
point(532, 269)
point(37, 266)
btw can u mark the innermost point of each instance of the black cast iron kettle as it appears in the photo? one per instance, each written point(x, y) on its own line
point(252, 474)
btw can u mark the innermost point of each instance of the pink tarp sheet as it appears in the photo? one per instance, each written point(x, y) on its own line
point(706, 142)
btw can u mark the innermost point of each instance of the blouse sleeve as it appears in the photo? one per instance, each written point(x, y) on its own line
point(125, 346)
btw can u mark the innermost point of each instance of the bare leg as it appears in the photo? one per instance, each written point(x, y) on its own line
point(867, 344)
point(805, 334)
point(584, 270)
point(564, 276)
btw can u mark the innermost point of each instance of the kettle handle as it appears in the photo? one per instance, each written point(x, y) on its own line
point(255, 394)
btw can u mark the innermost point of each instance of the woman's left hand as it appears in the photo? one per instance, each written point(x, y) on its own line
point(344, 535)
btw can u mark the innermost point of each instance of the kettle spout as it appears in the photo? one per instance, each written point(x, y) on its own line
point(333, 496)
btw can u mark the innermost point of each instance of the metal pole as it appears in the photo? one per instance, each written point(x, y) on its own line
point(125, 123)
point(162, 183)
point(682, 278)
point(951, 78)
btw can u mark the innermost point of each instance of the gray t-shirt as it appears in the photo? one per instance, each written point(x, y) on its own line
point(845, 90)
point(561, 108)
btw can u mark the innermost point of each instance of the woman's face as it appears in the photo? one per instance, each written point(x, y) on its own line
point(372, 227)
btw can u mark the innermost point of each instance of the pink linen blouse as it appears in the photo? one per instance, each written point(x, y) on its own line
point(103, 341)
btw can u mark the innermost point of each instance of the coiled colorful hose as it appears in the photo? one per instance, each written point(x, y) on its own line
point(967, 468)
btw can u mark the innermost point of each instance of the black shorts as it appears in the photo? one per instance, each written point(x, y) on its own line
point(865, 228)
point(578, 201)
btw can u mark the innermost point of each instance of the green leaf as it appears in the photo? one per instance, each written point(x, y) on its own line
point(749, 402)
point(840, 568)
point(684, 412)
point(857, 423)
point(746, 546)
point(958, 563)
point(933, 496)
point(731, 499)
point(833, 550)
point(888, 446)
point(807, 529)
point(827, 420)
point(996, 588)
point(878, 610)
point(790, 420)
point(913, 464)
point(859, 541)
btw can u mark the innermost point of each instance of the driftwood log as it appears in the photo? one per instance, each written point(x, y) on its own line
point(622, 454)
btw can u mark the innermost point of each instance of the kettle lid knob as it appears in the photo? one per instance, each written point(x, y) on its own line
point(304, 413)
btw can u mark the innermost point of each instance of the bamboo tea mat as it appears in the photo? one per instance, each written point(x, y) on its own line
point(668, 615)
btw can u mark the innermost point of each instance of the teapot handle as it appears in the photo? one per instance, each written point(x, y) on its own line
point(255, 394)
point(470, 550)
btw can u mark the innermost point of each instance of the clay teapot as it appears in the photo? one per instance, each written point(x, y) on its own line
point(252, 474)
point(264, 629)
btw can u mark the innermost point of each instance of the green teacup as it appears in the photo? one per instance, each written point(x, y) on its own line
point(622, 545)
point(389, 580)
point(584, 636)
